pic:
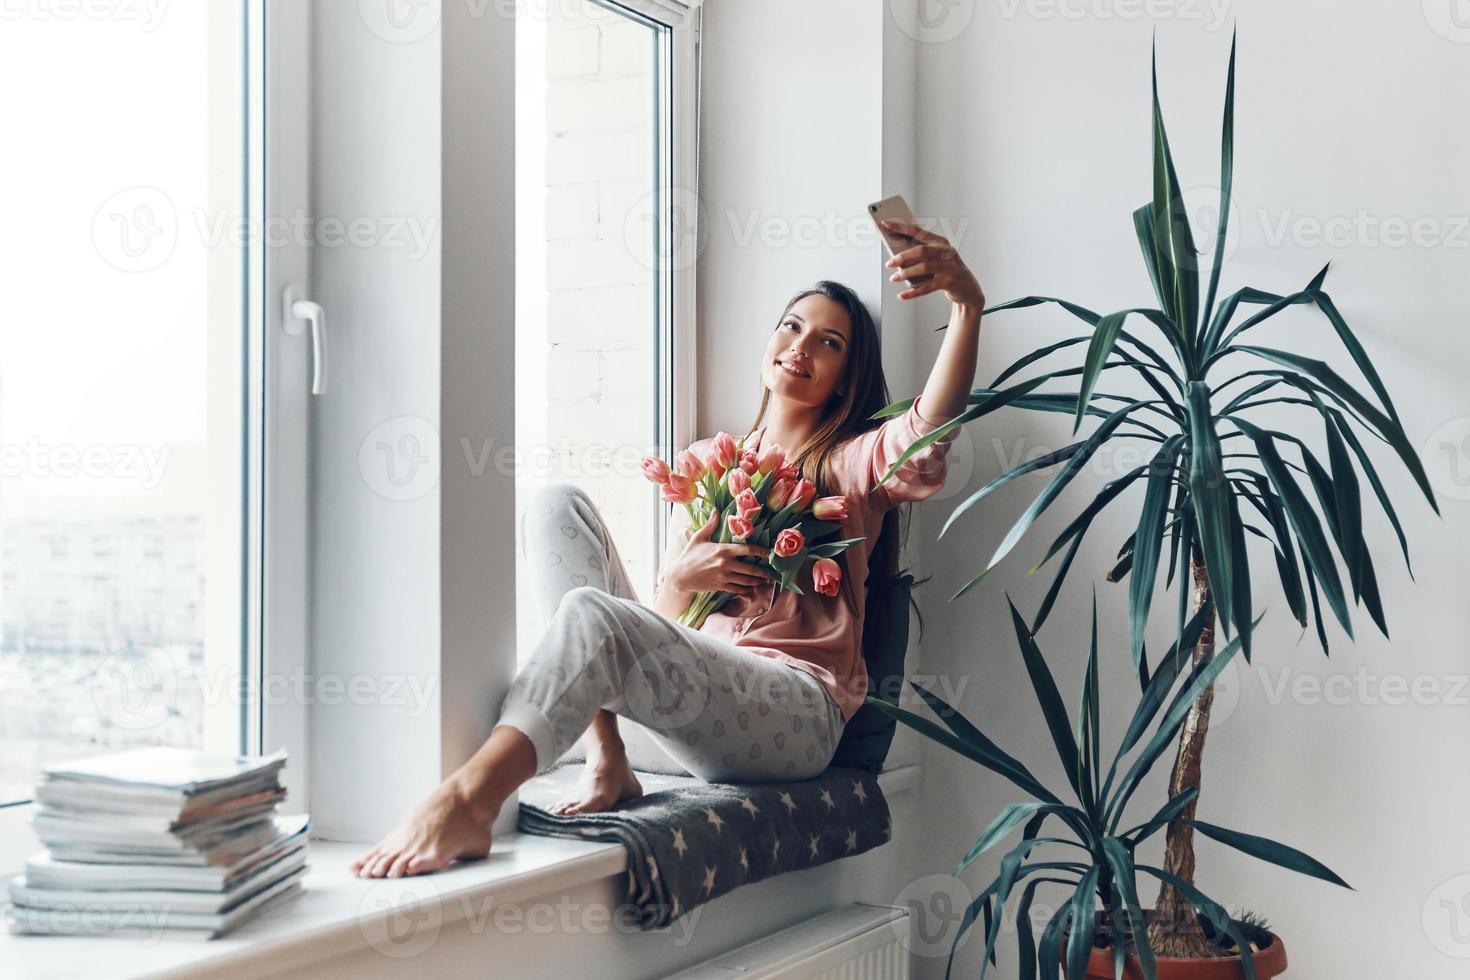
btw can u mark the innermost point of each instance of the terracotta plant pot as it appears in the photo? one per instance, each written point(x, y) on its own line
point(1269, 962)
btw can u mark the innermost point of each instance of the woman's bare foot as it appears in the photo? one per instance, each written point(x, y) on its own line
point(440, 830)
point(454, 822)
point(605, 783)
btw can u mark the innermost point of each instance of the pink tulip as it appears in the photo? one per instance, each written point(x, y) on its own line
point(780, 494)
point(689, 464)
point(739, 481)
point(746, 504)
point(739, 527)
point(679, 489)
point(789, 542)
point(712, 463)
point(749, 461)
point(788, 472)
point(773, 457)
point(655, 470)
point(803, 494)
point(830, 509)
point(723, 449)
point(826, 574)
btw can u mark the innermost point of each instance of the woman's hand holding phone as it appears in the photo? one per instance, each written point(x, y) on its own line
point(933, 264)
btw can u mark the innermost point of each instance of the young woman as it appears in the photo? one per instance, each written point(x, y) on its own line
point(763, 689)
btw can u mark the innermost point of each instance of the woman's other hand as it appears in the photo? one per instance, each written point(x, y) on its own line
point(706, 565)
point(933, 264)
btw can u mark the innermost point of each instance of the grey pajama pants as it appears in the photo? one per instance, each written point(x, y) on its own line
point(723, 713)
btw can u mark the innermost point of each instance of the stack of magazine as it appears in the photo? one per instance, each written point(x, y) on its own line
point(158, 841)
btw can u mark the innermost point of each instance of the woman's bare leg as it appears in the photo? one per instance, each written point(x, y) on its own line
point(454, 821)
point(607, 778)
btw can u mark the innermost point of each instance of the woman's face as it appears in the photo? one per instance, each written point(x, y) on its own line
point(806, 358)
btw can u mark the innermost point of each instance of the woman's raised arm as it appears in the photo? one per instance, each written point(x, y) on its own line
point(938, 265)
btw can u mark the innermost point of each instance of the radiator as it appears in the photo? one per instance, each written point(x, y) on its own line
point(855, 942)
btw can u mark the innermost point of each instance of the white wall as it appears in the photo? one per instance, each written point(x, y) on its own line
point(372, 613)
point(476, 386)
point(1034, 124)
point(791, 155)
point(411, 523)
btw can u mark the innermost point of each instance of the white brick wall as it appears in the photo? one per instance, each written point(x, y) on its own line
point(598, 338)
point(625, 49)
point(596, 102)
point(571, 211)
point(596, 154)
point(600, 317)
point(574, 51)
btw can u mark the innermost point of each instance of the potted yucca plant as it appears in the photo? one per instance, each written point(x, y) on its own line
point(1098, 928)
point(1215, 473)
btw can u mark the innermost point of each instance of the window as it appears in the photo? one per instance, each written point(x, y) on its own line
point(132, 380)
point(605, 105)
point(153, 411)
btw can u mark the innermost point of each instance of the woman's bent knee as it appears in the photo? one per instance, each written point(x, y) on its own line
point(551, 500)
point(600, 615)
point(588, 601)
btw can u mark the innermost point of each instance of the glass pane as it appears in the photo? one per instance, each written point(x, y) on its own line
point(112, 211)
point(587, 318)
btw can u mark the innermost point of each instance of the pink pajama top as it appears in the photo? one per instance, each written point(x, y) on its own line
point(814, 632)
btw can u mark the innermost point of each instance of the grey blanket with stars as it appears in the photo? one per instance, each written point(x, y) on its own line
point(690, 841)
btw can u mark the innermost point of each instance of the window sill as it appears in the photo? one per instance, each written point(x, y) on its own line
point(338, 913)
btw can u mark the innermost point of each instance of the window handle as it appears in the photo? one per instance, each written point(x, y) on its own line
point(296, 311)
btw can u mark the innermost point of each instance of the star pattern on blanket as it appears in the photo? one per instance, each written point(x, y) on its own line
point(689, 843)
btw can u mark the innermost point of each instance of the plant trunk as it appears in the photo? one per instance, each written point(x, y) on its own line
point(1174, 929)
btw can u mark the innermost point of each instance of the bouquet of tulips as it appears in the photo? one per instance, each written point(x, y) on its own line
point(763, 501)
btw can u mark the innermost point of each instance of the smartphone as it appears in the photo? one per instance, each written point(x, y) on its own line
point(895, 208)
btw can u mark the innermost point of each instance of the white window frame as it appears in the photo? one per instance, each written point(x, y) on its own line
point(277, 620)
point(270, 618)
point(678, 207)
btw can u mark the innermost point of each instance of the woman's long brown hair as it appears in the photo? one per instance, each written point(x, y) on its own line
point(864, 392)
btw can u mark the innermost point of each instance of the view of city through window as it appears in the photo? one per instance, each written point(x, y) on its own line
point(103, 461)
